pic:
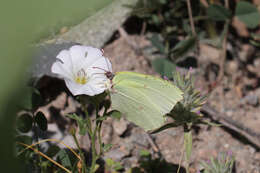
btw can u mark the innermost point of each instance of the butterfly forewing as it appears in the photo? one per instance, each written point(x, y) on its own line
point(136, 107)
point(156, 96)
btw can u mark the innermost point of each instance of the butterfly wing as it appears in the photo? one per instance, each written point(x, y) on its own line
point(144, 99)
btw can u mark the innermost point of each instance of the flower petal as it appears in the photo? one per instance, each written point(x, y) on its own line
point(84, 56)
point(78, 89)
point(62, 70)
point(101, 66)
point(93, 55)
point(98, 83)
point(65, 57)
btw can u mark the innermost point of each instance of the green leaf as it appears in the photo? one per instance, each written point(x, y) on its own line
point(144, 153)
point(163, 66)
point(26, 102)
point(52, 150)
point(64, 158)
point(155, 19)
point(22, 154)
point(109, 162)
point(184, 47)
point(114, 114)
point(118, 166)
point(163, 1)
point(248, 14)
point(36, 98)
point(32, 98)
point(107, 147)
point(156, 42)
point(24, 139)
point(81, 123)
point(24, 123)
point(113, 165)
point(255, 43)
point(41, 121)
point(218, 12)
point(188, 144)
point(166, 126)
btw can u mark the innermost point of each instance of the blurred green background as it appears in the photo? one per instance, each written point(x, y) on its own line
point(22, 24)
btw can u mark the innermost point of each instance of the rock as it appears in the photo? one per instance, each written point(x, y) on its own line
point(209, 54)
point(117, 154)
point(130, 162)
point(107, 132)
point(44, 57)
point(240, 27)
point(96, 30)
point(232, 67)
point(251, 99)
point(120, 126)
point(139, 138)
point(246, 52)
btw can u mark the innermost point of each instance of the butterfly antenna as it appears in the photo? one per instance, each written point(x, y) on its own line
point(99, 68)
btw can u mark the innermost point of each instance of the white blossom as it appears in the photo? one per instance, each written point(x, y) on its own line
point(83, 68)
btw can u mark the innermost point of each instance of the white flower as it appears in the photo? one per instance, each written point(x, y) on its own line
point(83, 68)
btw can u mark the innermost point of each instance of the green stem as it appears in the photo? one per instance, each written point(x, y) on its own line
point(94, 153)
point(81, 153)
point(187, 145)
point(99, 139)
point(95, 156)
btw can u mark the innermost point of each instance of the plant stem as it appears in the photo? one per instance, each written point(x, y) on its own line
point(81, 153)
point(94, 153)
point(191, 18)
point(99, 139)
point(187, 145)
point(95, 156)
point(223, 53)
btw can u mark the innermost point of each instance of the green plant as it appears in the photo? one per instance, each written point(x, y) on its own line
point(112, 166)
point(179, 26)
point(187, 112)
point(222, 164)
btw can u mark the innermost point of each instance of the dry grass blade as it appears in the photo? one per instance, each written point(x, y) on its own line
point(45, 156)
point(55, 140)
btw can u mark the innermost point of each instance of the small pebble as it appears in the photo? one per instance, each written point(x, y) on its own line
point(120, 126)
point(250, 99)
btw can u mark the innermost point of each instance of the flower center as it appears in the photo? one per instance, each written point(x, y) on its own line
point(81, 77)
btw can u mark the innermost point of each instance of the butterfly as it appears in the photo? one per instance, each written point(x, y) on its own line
point(142, 99)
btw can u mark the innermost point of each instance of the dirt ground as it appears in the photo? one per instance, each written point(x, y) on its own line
point(236, 97)
point(226, 97)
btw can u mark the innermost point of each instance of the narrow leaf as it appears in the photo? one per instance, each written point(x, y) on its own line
point(64, 158)
point(114, 114)
point(184, 47)
point(248, 14)
point(164, 67)
point(24, 123)
point(218, 12)
point(156, 42)
point(41, 121)
point(81, 123)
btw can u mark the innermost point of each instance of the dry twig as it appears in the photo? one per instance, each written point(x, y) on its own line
point(223, 53)
point(234, 125)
